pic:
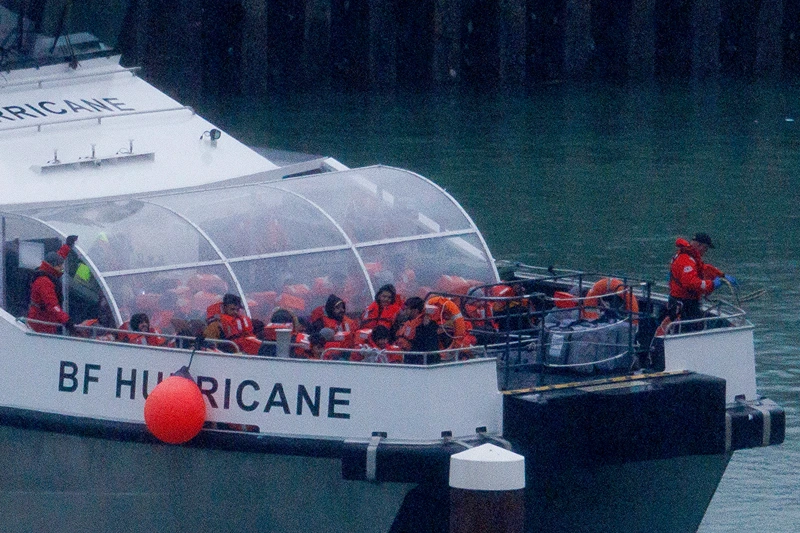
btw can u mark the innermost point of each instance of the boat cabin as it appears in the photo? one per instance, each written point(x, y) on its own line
point(287, 243)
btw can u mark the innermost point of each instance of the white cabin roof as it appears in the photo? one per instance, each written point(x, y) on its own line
point(99, 131)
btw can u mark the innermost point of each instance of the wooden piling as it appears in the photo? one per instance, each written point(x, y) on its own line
point(317, 42)
point(642, 42)
point(769, 43)
point(487, 491)
point(705, 21)
point(577, 37)
point(254, 48)
point(382, 45)
point(447, 42)
point(512, 41)
point(373, 44)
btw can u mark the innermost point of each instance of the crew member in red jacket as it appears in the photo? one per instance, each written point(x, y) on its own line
point(690, 279)
point(46, 298)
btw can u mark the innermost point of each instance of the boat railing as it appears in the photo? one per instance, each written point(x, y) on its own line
point(39, 82)
point(115, 335)
point(720, 315)
point(98, 118)
point(107, 334)
point(375, 355)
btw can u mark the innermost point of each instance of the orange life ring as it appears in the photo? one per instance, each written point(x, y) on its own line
point(447, 314)
point(605, 287)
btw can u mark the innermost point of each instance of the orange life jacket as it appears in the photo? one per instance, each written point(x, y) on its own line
point(605, 287)
point(381, 316)
point(390, 351)
point(446, 313)
point(239, 329)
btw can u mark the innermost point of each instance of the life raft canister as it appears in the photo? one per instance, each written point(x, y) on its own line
point(606, 287)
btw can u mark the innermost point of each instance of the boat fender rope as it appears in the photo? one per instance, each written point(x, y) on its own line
point(371, 469)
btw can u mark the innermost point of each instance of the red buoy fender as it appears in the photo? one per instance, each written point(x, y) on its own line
point(175, 411)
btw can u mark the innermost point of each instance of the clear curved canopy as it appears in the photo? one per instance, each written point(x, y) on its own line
point(288, 243)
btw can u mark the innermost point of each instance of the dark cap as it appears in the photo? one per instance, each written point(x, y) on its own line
point(54, 259)
point(703, 238)
point(232, 299)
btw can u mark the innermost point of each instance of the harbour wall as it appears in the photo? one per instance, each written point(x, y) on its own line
point(224, 47)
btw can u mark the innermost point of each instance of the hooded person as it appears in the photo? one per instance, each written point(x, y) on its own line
point(140, 325)
point(335, 318)
point(46, 300)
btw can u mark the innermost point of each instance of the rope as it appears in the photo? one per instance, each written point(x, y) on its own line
point(749, 297)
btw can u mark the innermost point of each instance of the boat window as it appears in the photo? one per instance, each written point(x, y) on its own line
point(301, 283)
point(378, 203)
point(183, 293)
point(451, 264)
point(51, 31)
point(122, 235)
point(250, 221)
point(26, 244)
point(288, 243)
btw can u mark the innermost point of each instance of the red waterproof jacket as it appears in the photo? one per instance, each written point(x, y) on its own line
point(690, 278)
point(45, 302)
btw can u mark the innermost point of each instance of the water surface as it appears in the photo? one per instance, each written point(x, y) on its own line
point(604, 178)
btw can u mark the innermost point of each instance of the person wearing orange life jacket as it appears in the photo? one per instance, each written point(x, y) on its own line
point(501, 313)
point(213, 329)
point(383, 310)
point(453, 329)
point(91, 328)
point(280, 319)
point(237, 327)
point(46, 298)
point(335, 318)
point(691, 279)
point(283, 319)
point(375, 347)
point(139, 324)
point(415, 331)
point(311, 346)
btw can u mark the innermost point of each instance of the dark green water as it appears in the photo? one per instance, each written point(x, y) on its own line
point(604, 178)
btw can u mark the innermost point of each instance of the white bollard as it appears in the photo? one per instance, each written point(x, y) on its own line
point(487, 491)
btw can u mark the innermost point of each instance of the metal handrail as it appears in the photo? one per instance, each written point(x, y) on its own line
point(481, 352)
point(99, 118)
point(98, 331)
point(677, 324)
point(40, 81)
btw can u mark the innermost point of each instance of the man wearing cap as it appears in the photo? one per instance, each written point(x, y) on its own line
point(46, 297)
point(690, 279)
